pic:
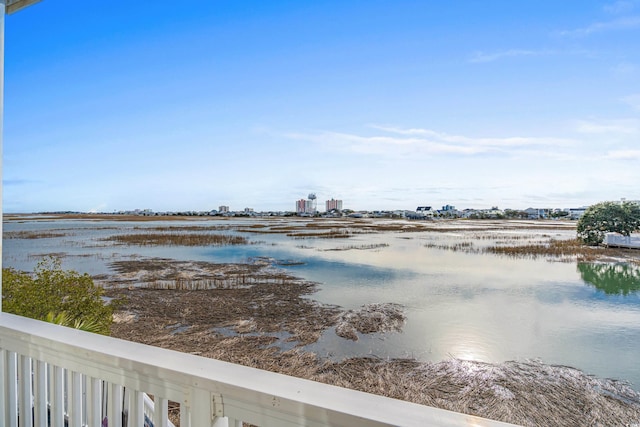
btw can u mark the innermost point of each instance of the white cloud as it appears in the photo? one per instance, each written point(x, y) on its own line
point(625, 23)
point(613, 126)
point(623, 155)
point(384, 144)
point(619, 7)
point(416, 141)
point(515, 141)
point(479, 57)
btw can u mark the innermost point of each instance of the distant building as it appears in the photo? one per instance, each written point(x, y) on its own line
point(425, 211)
point(536, 213)
point(306, 207)
point(301, 206)
point(576, 213)
point(449, 211)
point(333, 205)
point(223, 209)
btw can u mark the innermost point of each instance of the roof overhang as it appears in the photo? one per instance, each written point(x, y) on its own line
point(16, 5)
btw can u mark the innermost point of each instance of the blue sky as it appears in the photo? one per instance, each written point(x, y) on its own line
point(384, 104)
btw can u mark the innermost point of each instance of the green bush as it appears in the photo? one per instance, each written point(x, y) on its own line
point(608, 217)
point(57, 296)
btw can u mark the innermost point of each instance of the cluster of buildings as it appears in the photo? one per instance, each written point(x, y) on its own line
point(448, 211)
point(308, 206)
point(334, 208)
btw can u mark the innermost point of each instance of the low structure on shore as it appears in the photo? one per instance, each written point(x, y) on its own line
point(616, 240)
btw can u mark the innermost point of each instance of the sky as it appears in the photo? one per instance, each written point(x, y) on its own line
point(384, 104)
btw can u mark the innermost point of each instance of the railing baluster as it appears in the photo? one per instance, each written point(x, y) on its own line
point(40, 394)
point(160, 411)
point(75, 400)
point(25, 392)
point(94, 402)
point(57, 404)
point(115, 405)
point(136, 413)
point(221, 422)
point(3, 383)
point(184, 415)
point(126, 405)
point(12, 389)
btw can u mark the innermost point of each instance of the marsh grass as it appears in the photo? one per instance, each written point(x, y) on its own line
point(41, 256)
point(32, 234)
point(360, 247)
point(179, 228)
point(370, 318)
point(554, 248)
point(527, 393)
point(461, 246)
point(566, 250)
point(332, 234)
point(177, 239)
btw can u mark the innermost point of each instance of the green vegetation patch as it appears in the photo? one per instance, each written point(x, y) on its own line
point(57, 296)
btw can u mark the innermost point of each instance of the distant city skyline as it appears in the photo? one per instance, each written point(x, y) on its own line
point(384, 105)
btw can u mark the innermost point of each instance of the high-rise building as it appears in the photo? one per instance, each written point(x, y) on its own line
point(333, 205)
point(223, 209)
point(307, 207)
point(301, 206)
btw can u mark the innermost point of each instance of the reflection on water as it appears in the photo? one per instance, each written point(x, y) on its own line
point(613, 279)
point(465, 305)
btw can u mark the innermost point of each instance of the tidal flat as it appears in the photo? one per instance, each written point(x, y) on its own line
point(510, 320)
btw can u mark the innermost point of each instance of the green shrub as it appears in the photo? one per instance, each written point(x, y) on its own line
point(58, 296)
point(608, 217)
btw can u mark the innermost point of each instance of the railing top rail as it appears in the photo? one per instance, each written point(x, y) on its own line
point(245, 392)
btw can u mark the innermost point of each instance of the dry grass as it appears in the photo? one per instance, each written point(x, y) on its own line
point(567, 250)
point(333, 234)
point(177, 239)
point(570, 250)
point(163, 292)
point(31, 235)
point(525, 393)
point(184, 228)
point(461, 246)
point(256, 315)
point(360, 247)
point(370, 318)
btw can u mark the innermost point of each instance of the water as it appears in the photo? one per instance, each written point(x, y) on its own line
point(466, 305)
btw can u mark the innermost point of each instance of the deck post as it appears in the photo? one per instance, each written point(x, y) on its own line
point(3, 8)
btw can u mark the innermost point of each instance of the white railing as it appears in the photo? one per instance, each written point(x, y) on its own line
point(80, 379)
point(618, 240)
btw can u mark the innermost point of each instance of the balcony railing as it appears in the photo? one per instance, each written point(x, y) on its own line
point(620, 241)
point(60, 376)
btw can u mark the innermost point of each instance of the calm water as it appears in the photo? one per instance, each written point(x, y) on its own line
point(466, 305)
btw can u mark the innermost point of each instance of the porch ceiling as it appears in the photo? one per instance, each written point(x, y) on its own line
point(16, 5)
